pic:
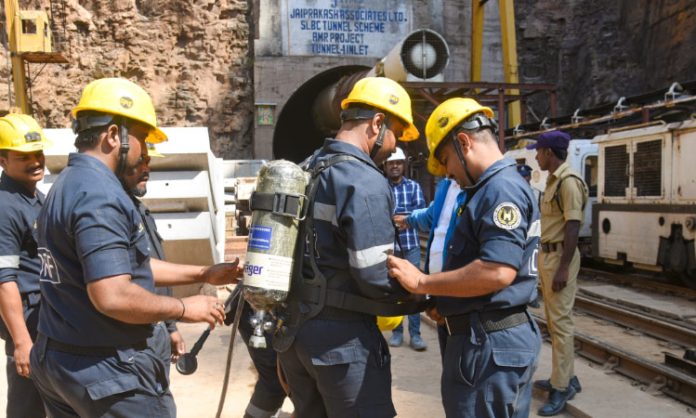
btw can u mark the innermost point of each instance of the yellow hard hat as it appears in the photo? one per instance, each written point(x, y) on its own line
point(152, 151)
point(387, 95)
point(21, 133)
point(118, 96)
point(388, 323)
point(444, 118)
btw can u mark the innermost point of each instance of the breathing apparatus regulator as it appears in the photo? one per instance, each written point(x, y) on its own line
point(278, 206)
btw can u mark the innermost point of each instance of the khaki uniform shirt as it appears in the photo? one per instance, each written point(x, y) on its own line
point(572, 196)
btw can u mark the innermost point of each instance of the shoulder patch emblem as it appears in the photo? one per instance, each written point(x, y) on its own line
point(507, 216)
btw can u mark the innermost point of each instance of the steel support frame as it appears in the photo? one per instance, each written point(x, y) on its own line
point(486, 93)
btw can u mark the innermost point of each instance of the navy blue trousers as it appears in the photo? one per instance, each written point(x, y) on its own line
point(23, 399)
point(488, 375)
point(131, 384)
point(339, 369)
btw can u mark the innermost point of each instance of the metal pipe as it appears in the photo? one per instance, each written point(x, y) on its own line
point(421, 55)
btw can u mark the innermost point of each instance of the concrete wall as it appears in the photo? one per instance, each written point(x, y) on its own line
point(278, 74)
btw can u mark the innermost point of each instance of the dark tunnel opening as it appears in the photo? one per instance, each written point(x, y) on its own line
point(297, 133)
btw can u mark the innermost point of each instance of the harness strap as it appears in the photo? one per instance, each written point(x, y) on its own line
point(356, 303)
point(283, 204)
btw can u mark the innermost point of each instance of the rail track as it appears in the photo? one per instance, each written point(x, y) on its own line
point(638, 281)
point(677, 332)
point(660, 372)
point(650, 350)
point(671, 381)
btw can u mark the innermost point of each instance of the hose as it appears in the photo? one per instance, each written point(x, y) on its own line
point(230, 351)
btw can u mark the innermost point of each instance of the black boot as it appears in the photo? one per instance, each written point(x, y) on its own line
point(557, 401)
point(545, 384)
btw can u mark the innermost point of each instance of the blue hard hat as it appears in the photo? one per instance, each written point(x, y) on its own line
point(553, 139)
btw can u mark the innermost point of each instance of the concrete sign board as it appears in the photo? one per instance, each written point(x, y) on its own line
point(368, 28)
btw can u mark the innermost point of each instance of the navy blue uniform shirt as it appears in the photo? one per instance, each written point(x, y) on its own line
point(352, 220)
point(19, 260)
point(89, 230)
point(498, 223)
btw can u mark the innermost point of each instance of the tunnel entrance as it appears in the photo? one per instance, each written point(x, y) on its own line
point(298, 132)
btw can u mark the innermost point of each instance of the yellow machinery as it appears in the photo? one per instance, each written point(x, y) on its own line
point(509, 41)
point(29, 41)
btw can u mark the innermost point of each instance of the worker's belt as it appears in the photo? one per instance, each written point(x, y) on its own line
point(549, 247)
point(79, 350)
point(491, 321)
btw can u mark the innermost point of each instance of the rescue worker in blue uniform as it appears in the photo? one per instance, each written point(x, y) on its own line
point(136, 186)
point(490, 274)
point(98, 352)
point(21, 156)
point(339, 363)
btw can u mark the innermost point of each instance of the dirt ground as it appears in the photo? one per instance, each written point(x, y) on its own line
point(415, 389)
point(416, 385)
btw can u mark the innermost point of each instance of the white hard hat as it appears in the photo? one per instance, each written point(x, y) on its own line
point(397, 155)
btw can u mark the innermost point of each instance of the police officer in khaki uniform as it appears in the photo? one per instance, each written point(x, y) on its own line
point(559, 262)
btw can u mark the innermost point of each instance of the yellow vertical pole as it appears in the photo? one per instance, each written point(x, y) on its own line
point(477, 15)
point(509, 41)
point(19, 79)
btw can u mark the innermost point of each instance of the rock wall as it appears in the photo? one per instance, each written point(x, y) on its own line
point(597, 51)
point(193, 57)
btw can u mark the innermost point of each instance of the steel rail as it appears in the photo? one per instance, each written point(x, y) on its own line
point(678, 332)
point(674, 383)
point(639, 282)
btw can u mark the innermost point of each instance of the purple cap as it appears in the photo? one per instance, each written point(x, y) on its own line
point(553, 139)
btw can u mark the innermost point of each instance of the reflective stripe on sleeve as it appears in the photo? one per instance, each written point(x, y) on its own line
point(368, 257)
point(324, 212)
point(9, 261)
point(534, 230)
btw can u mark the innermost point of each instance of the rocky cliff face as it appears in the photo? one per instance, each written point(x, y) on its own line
point(194, 56)
point(191, 56)
point(597, 51)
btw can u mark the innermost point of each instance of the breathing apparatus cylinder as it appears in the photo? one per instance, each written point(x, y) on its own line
point(278, 206)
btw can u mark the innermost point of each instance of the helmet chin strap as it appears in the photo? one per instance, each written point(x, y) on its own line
point(460, 155)
point(380, 138)
point(123, 152)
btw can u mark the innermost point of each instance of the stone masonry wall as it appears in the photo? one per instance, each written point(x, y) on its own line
point(191, 56)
